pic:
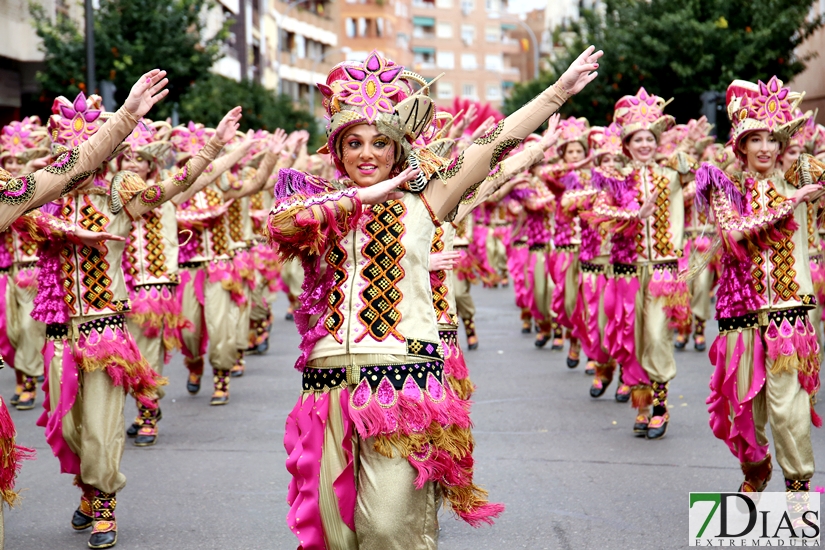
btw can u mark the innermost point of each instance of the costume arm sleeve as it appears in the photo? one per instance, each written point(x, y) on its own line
point(306, 217)
point(467, 172)
point(218, 167)
point(158, 193)
point(498, 178)
point(255, 180)
point(734, 227)
point(67, 171)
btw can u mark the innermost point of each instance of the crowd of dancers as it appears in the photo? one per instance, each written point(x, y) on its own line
point(125, 240)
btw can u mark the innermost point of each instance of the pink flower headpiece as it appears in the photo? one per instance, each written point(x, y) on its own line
point(755, 107)
point(73, 122)
point(188, 140)
point(603, 141)
point(642, 111)
point(21, 139)
point(573, 129)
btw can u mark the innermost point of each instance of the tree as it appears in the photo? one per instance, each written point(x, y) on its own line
point(679, 49)
point(131, 37)
point(209, 98)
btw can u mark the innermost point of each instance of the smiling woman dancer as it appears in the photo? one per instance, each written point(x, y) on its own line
point(377, 438)
point(766, 355)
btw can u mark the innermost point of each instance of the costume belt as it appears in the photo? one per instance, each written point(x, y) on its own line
point(192, 265)
point(567, 247)
point(763, 318)
point(587, 267)
point(72, 330)
point(633, 269)
point(538, 247)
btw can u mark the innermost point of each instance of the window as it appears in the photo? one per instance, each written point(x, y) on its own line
point(492, 33)
point(467, 6)
point(493, 62)
point(469, 91)
point(444, 30)
point(379, 27)
point(445, 90)
point(445, 60)
point(362, 26)
point(447, 4)
point(493, 5)
point(300, 46)
point(468, 34)
point(349, 27)
point(469, 61)
point(493, 92)
point(423, 60)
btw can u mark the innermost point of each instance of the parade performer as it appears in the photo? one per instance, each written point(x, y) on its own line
point(21, 337)
point(570, 175)
point(644, 301)
point(92, 359)
point(150, 265)
point(766, 357)
point(589, 317)
point(371, 359)
point(212, 292)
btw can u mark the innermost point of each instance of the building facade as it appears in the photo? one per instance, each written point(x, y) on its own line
point(383, 25)
point(470, 41)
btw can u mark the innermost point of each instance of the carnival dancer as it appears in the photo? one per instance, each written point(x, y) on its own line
point(21, 337)
point(31, 190)
point(644, 301)
point(570, 175)
point(212, 293)
point(766, 357)
point(370, 351)
point(292, 274)
point(150, 264)
point(589, 317)
point(242, 236)
point(92, 357)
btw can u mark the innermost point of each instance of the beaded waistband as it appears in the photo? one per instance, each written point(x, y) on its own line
point(538, 247)
point(315, 379)
point(5, 270)
point(191, 265)
point(61, 331)
point(763, 319)
point(567, 247)
point(587, 267)
point(743, 322)
point(631, 269)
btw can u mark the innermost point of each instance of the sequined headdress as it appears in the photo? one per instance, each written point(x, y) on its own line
point(603, 141)
point(148, 142)
point(754, 107)
point(380, 92)
point(642, 111)
point(73, 122)
point(188, 140)
point(572, 130)
point(23, 140)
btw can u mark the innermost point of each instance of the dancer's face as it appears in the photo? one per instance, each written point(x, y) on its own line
point(368, 155)
point(573, 152)
point(760, 150)
point(607, 160)
point(790, 155)
point(642, 146)
point(135, 164)
point(13, 166)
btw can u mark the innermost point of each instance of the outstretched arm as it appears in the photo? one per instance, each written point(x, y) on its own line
point(18, 195)
point(467, 172)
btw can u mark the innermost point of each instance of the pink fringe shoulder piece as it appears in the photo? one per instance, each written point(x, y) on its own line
point(709, 177)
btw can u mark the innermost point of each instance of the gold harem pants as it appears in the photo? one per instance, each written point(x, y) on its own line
point(390, 513)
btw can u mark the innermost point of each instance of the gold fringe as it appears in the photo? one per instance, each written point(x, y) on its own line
point(465, 499)
point(456, 441)
point(463, 388)
point(790, 363)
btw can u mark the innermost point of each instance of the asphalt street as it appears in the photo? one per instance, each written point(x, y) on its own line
point(566, 465)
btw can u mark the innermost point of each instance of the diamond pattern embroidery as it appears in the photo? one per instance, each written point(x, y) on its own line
point(440, 303)
point(94, 266)
point(155, 258)
point(335, 259)
point(661, 222)
point(758, 262)
point(383, 271)
point(67, 263)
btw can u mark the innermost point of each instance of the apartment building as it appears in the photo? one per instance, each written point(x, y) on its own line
point(308, 45)
point(383, 25)
point(468, 40)
point(20, 57)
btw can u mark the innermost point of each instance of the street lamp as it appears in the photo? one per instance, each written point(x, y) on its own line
point(535, 43)
point(345, 50)
point(290, 6)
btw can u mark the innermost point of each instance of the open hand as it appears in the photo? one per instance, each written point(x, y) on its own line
point(807, 193)
point(444, 260)
point(551, 136)
point(387, 190)
point(697, 129)
point(582, 71)
point(228, 125)
point(148, 90)
point(649, 207)
point(277, 141)
point(93, 238)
